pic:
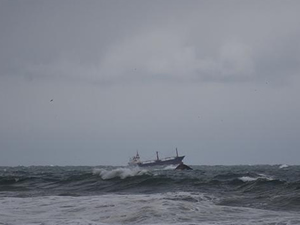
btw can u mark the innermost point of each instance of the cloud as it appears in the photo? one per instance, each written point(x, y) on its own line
point(163, 56)
point(154, 56)
point(204, 42)
point(160, 55)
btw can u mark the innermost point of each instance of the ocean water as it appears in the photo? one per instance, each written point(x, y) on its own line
point(207, 195)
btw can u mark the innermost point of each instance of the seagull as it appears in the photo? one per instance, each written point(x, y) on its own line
point(51, 100)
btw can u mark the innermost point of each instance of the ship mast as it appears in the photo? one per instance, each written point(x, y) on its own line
point(176, 153)
point(157, 158)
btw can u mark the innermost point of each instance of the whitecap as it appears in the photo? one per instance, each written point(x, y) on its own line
point(119, 173)
point(246, 179)
point(283, 166)
point(170, 167)
point(261, 177)
point(264, 176)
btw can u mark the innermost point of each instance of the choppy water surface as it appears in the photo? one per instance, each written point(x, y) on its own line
point(119, 195)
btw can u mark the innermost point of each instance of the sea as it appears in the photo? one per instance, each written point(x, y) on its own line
point(102, 195)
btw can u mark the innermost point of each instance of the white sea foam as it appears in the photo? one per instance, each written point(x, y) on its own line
point(119, 173)
point(264, 176)
point(170, 167)
point(261, 176)
point(283, 166)
point(245, 179)
point(156, 209)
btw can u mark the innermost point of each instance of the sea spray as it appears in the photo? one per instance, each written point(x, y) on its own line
point(170, 167)
point(246, 179)
point(283, 166)
point(119, 173)
point(259, 176)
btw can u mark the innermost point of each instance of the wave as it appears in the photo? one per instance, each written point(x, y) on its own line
point(170, 167)
point(283, 166)
point(259, 177)
point(249, 182)
point(119, 173)
point(246, 179)
point(161, 209)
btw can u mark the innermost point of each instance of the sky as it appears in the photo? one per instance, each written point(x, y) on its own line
point(92, 82)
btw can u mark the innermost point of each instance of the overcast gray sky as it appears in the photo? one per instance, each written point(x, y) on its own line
point(219, 80)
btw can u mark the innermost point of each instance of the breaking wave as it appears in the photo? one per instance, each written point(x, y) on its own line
point(259, 177)
point(245, 179)
point(170, 167)
point(283, 166)
point(119, 173)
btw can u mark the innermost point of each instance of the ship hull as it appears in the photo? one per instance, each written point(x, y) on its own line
point(174, 161)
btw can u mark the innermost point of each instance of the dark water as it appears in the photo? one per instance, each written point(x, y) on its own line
point(273, 188)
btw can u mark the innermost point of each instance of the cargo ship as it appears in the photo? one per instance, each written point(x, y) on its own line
point(175, 160)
